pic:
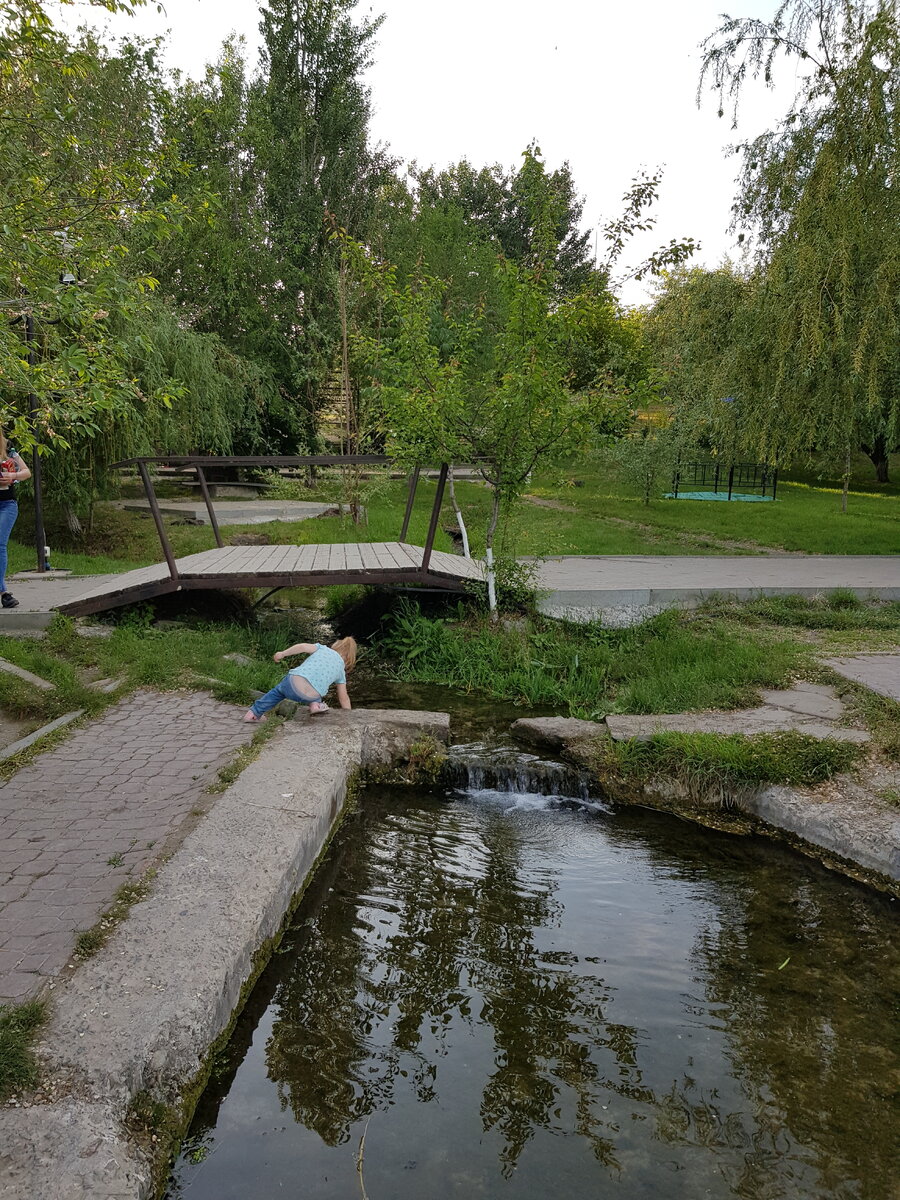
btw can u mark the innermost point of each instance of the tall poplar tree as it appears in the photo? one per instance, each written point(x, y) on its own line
point(318, 173)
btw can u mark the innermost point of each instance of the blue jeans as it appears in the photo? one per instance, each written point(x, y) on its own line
point(281, 691)
point(9, 510)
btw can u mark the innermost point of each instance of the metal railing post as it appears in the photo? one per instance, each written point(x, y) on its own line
point(411, 495)
point(435, 516)
point(157, 517)
point(201, 479)
point(730, 480)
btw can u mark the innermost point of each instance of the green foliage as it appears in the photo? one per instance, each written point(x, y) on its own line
point(664, 665)
point(78, 153)
point(18, 1025)
point(725, 763)
point(818, 363)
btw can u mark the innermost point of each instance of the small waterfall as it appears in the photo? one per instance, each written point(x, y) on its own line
point(506, 772)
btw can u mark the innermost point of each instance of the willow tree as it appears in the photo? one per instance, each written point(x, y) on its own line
point(820, 203)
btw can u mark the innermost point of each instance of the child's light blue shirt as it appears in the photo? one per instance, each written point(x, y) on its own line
point(323, 668)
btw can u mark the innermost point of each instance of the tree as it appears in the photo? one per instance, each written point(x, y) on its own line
point(483, 383)
point(818, 197)
point(496, 203)
point(317, 169)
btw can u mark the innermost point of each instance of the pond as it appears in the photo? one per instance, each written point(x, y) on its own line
point(513, 996)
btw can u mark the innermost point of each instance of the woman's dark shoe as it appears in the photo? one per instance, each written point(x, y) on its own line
point(8, 600)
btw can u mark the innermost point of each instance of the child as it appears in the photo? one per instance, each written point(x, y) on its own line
point(309, 683)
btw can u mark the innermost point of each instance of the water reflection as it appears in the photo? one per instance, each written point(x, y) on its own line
point(513, 997)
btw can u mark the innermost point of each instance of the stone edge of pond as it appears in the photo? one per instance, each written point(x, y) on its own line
point(138, 1021)
point(850, 834)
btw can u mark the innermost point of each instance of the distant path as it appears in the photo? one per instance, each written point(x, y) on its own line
point(623, 589)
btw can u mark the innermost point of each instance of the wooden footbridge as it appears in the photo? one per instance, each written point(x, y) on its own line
point(274, 567)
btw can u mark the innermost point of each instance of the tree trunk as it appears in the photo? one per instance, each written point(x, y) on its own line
point(459, 517)
point(489, 556)
point(846, 488)
point(878, 452)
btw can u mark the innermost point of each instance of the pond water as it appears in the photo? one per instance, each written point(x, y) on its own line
point(513, 997)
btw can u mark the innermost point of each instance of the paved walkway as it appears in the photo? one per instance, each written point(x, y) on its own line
point(96, 811)
point(621, 589)
point(236, 512)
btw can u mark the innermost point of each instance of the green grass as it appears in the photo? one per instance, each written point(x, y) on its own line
point(724, 763)
point(839, 611)
point(18, 1025)
point(612, 519)
point(670, 664)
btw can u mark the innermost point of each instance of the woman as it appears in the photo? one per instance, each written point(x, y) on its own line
point(12, 471)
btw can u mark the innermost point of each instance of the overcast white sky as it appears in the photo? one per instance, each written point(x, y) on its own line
point(608, 85)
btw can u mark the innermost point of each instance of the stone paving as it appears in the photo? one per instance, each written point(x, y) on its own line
point(95, 811)
point(878, 672)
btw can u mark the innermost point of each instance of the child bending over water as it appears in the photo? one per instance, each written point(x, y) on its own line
point(309, 683)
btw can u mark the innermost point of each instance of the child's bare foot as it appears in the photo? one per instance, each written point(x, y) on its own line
point(318, 706)
point(250, 718)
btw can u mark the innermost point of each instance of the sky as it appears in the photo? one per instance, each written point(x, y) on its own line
point(609, 85)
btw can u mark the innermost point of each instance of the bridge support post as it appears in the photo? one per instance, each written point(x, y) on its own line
point(410, 499)
point(435, 516)
point(201, 479)
point(157, 517)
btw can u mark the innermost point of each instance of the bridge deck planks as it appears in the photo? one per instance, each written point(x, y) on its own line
point(319, 564)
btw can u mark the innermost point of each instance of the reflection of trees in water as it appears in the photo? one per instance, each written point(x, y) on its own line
point(815, 1045)
point(367, 1001)
point(434, 926)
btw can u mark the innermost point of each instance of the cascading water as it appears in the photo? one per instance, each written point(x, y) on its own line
point(505, 774)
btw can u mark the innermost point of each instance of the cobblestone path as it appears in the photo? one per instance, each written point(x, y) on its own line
point(95, 811)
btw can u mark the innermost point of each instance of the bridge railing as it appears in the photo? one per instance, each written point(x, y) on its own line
point(200, 463)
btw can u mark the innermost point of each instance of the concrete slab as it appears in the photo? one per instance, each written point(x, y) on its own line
point(143, 1012)
point(625, 589)
point(235, 512)
point(40, 596)
point(43, 685)
point(26, 742)
point(806, 708)
point(878, 672)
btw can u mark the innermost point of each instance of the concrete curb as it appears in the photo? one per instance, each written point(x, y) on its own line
point(142, 1015)
point(25, 742)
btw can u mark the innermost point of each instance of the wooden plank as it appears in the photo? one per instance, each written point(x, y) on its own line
point(218, 564)
point(370, 553)
point(455, 565)
point(390, 560)
point(338, 561)
point(304, 559)
point(321, 557)
point(285, 563)
point(410, 555)
point(352, 558)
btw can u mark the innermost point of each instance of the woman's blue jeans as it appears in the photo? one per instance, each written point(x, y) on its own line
point(281, 691)
point(8, 513)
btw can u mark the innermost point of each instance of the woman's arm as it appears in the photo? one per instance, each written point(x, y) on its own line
point(342, 694)
point(24, 471)
point(300, 648)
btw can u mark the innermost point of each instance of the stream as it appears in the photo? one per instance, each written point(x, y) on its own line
point(509, 989)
